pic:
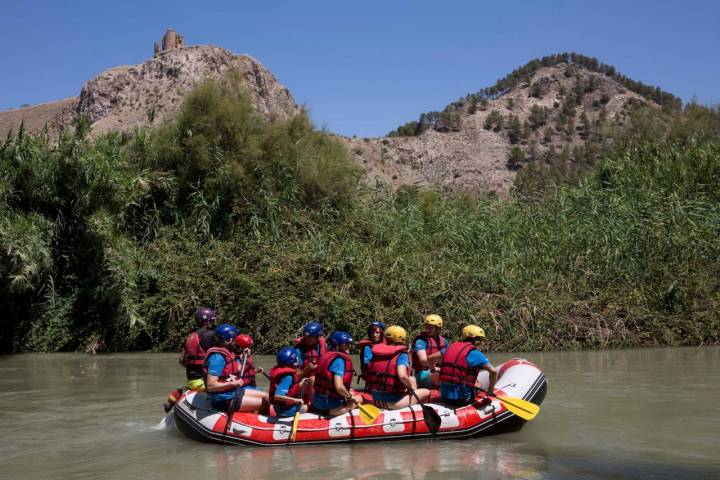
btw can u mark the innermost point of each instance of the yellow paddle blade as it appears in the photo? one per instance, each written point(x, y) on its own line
point(522, 408)
point(293, 431)
point(368, 413)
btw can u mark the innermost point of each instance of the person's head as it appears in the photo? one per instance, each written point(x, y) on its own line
point(226, 333)
point(312, 332)
point(395, 335)
point(375, 331)
point(287, 357)
point(473, 334)
point(205, 317)
point(242, 342)
point(433, 325)
point(340, 341)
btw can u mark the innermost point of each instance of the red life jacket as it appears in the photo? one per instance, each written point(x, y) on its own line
point(432, 347)
point(362, 345)
point(382, 370)
point(193, 353)
point(231, 366)
point(248, 375)
point(310, 355)
point(454, 367)
point(324, 384)
point(276, 374)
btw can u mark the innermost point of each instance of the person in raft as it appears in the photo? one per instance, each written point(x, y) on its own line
point(242, 347)
point(309, 347)
point(197, 343)
point(460, 366)
point(223, 380)
point(333, 377)
point(427, 349)
point(389, 372)
point(285, 383)
point(375, 335)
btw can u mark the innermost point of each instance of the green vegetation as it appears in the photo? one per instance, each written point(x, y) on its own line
point(123, 236)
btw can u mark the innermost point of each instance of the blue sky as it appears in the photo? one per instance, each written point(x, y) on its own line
point(364, 67)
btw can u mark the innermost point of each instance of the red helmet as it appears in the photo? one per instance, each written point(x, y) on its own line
point(244, 341)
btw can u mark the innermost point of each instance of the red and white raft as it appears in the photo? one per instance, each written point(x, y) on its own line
point(516, 378)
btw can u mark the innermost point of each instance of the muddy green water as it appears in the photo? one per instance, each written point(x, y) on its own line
point(608, 414)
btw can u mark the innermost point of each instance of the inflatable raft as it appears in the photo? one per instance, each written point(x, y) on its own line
point(516, 378)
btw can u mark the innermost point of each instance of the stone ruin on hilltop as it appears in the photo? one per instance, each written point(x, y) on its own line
point(170, 41)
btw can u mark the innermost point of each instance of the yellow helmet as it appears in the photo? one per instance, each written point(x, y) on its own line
point(434, 319)
point(396, 334)
point(472, 331)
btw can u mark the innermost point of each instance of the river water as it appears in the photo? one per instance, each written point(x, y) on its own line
point(650, 413)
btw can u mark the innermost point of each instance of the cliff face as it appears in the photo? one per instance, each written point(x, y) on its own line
point(152, 92)
point(470, 151)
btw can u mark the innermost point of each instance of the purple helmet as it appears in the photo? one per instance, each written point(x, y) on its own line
point(205, 316)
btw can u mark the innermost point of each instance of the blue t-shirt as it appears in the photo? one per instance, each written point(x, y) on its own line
point(367, 355)
point(216, 364)
point(403, 360)
point(282, 389)
point(421, 344)
point(324, 402)
point(454, 391)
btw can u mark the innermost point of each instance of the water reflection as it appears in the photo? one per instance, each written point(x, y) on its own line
point(425, 459)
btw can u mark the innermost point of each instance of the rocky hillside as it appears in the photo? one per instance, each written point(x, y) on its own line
point(556, 114)
point(151, 92)
point(550, 111)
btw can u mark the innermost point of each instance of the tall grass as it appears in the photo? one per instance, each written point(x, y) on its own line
point(122, 237)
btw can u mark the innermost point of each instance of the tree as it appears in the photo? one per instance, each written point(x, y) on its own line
point(538, 116)
point(585, 125)
point(537, 90)
point(517, 156)
point(515, 132)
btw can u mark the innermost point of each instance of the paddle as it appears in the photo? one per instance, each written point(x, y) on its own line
point(368, 413)
point(293, 431)
point(431, 417)
point(237, 399)
point(522, 408)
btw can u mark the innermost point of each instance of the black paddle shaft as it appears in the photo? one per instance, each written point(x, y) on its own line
point(431, 417)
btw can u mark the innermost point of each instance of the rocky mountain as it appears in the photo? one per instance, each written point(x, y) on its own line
point(152, 92)
point(553, 109)
point(552, 113)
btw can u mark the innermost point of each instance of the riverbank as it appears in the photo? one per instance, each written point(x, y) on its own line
point(121, 238)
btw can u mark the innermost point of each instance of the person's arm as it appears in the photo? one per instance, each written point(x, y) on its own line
point(213, 383)
point(282, 388)
point(216, 364)
point(340, 388)
point(310, 367)
point(493, 377)
point(298, 401)
point(402, 373)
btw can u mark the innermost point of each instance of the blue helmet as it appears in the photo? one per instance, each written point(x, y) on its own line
point(226, 332)
point(287, 356)
point(340, 338)
point(313, 329)
point(374, 324)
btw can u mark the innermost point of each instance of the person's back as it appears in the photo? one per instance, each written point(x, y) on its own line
point(460, 366)
point(196, 345)
point(389, 372)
